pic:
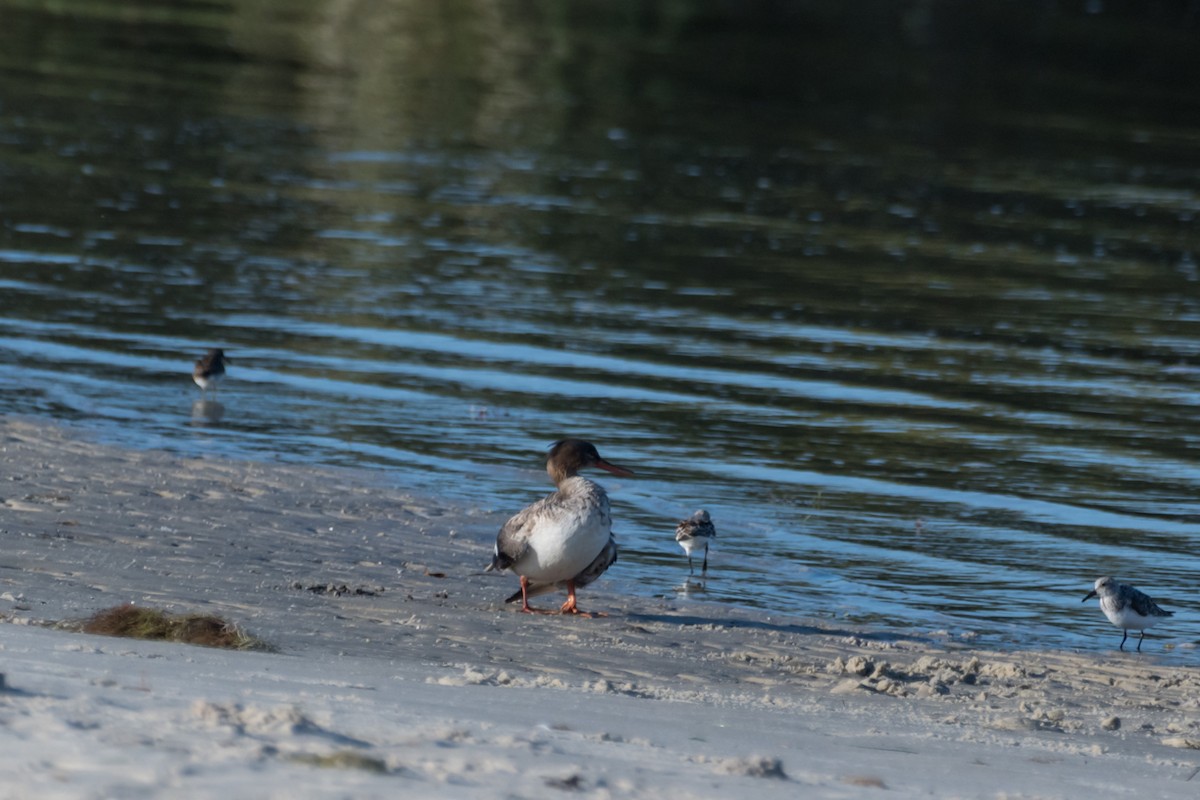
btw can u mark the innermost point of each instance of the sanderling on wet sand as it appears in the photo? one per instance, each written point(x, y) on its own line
point(696, 531)
point(210, 369)
point(1127, 608)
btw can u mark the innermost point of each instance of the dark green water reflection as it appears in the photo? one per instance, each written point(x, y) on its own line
point(904, 293)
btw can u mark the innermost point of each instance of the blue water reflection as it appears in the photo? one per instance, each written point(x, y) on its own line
point(920, 338)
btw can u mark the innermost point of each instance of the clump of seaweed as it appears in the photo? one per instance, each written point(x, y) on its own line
point(138, 622)
point(341, 759)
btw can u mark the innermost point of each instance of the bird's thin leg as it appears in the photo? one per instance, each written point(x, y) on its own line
point(525, 607)
point(1123, 638)
point(1143, 636)
point(704, 569)
point(691, 569)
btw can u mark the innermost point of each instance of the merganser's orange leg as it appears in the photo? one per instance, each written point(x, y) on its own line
point(569, 607)
point(525, 607)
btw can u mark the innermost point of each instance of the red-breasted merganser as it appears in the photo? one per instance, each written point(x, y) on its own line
point(564, 539)
point(210, 369)
point(696, 531)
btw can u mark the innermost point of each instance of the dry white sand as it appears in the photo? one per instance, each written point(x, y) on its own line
point(400, 673)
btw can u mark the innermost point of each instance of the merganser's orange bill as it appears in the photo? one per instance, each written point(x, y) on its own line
point(614, 469)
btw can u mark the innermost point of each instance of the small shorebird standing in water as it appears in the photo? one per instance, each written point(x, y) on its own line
point(696, 531)
point(565, 539)
point(210, 369)
point(1127, 608)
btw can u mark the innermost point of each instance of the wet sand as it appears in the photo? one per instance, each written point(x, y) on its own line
point(397, 668)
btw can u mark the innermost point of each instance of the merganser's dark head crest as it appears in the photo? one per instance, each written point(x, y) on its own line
point(568, 456)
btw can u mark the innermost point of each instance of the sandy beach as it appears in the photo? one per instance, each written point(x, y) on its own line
point(396, 670)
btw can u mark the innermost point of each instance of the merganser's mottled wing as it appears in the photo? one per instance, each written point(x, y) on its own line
point(513, 539)
point(607, 557)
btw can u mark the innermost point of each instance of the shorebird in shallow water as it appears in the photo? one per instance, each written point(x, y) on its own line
point(210, 369)
point(565, 539)
point(1127, 608)
point(693, 532)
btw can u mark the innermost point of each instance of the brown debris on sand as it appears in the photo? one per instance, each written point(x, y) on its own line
point(139, 622)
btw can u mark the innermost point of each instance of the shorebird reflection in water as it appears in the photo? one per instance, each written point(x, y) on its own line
point(210, 369)
point(206, 411)
point(565, 539)
point(696, 532)
point(1127, 608)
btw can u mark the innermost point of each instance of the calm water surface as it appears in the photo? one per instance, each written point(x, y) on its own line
point(905, 294)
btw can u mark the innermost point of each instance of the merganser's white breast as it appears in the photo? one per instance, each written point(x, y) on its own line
point(562, 533)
